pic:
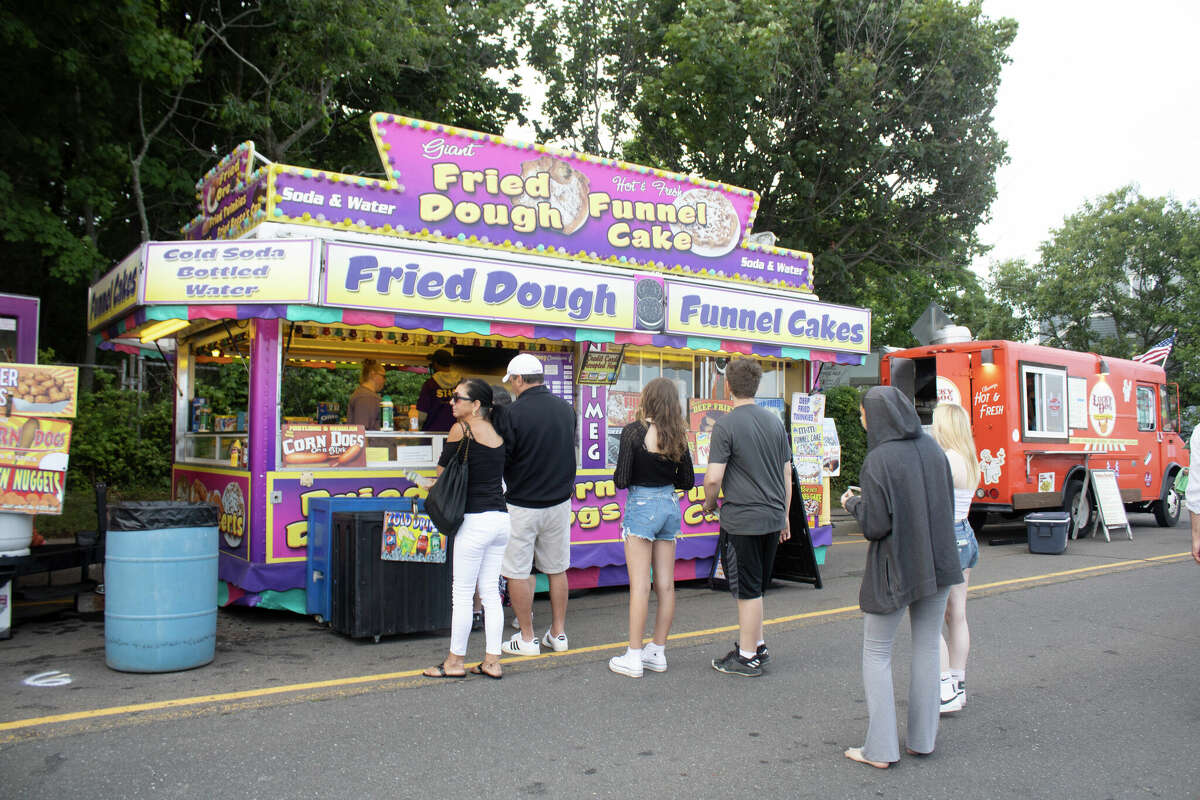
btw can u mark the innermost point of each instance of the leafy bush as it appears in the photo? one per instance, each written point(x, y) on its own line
point(841, 404)
point(117, 440)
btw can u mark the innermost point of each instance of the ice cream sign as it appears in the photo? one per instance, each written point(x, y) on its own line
point(249, 271)
point(457, 285)
point(1102, 408)
point(455, 185)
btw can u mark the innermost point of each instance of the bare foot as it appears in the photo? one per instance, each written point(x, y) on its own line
point(856, 754)
point(912, 752)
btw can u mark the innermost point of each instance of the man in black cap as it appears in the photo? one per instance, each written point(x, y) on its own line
point(433, 404)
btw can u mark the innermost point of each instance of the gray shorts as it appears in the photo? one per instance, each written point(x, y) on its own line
point(540, 536)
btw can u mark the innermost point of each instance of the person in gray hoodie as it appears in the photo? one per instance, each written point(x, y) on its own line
point(906, 512)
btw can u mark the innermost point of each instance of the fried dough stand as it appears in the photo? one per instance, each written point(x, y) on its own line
point(612, 274)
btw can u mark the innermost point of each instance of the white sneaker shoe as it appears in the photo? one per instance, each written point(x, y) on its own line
point(517, 646)
point(951, 696)
point(516, 624)
point(655, 661)
point(628, 664)
point(557, 643)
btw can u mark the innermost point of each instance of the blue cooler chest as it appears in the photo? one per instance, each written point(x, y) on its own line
point(1047, 531)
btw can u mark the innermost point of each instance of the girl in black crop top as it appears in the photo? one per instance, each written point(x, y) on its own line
point(478, 547)
point(653, 461)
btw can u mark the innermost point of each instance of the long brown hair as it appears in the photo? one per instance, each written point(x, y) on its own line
point(660, 402)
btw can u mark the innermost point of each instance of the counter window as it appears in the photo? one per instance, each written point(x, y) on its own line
point(1145, 408)
point(1044, 400)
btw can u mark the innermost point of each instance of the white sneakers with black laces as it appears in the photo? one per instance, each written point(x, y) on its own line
point(953, 694)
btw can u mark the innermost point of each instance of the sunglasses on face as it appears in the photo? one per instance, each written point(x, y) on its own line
point(454, 398)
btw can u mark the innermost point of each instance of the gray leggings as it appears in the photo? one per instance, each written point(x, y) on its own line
point(879, 633)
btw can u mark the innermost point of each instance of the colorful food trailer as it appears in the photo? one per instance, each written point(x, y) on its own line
point(610, 273)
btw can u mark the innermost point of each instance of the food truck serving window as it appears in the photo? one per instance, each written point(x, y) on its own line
point(1043, 390)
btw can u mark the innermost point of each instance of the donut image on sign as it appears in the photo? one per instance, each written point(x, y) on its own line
point(568, 190)
point(717, 228)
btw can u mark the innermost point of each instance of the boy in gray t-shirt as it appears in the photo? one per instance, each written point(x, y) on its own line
point(750, 459)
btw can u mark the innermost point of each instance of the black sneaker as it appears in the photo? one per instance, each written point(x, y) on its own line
point(734, 664)
point(761, 654)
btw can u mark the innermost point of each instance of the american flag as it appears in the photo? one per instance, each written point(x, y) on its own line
point(1157, 354)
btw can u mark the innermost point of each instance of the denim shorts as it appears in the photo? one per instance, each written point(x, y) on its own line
point(651, 512)
point(968, 547)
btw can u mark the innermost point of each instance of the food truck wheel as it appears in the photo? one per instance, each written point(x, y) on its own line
point(1166, 510)
point(1081, 508)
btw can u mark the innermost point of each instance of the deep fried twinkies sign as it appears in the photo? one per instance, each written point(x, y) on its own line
point(248, 271)
point(756, 317)
point(457, 285)
point(451, 184)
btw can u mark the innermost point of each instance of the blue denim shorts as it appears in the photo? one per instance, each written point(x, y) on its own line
point(968, 547)
point(651, 512)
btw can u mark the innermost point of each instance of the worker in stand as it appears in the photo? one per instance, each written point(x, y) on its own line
point(364, 408)
point(433, 403)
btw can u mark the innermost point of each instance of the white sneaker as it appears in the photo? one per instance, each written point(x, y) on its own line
point(517, 646)
point(558, 643)
point(516, 624)
point(951, 696)
point(628, 663)
point(962, 692)
point(655, 661)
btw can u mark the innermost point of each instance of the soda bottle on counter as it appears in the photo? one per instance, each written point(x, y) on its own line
point(386, 410)
point(414, 421)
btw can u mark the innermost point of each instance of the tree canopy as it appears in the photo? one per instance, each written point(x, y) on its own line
point(1124, 258)
point(865, 126)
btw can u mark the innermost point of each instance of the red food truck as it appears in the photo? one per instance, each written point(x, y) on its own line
point(1043, 417)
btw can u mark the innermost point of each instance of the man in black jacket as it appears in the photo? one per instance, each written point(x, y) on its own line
point(539, 474)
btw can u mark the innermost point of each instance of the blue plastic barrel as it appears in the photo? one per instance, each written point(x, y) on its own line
point(160, 586)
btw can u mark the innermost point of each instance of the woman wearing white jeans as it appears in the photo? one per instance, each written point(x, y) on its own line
point(481, 539)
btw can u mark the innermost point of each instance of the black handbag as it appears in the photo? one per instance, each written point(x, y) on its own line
point(447, 500)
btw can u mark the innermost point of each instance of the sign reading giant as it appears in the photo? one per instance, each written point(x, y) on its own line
point(437, 284)
point(453, 185)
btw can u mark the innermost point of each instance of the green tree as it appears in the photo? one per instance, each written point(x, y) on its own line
point(1123, 257)
point(865, 126)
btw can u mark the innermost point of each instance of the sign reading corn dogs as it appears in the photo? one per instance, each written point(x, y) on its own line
point(38, 391)
point(324, 446)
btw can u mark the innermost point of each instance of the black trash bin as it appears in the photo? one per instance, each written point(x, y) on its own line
point(373, 597)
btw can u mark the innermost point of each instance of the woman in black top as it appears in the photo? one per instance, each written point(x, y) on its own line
point(480, 542)
point(652, 463)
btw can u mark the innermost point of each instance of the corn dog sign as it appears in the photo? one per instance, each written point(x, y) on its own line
point(323, 446)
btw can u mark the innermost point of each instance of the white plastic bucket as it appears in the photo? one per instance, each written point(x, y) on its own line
point(16, 533)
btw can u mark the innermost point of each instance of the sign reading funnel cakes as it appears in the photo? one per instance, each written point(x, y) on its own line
point(717, 229)
point(568, 190)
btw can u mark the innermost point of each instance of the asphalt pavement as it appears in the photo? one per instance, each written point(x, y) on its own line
point(1081, 684)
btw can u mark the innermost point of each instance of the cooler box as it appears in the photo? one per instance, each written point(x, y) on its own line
point(1047, 531)
point(364, 594)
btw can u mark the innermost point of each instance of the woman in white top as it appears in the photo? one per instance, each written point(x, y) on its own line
point(952, 430)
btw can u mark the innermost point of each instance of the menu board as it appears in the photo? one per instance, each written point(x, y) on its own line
point(601, 364)
point(556, 372)
point(323, 446)
point(808, 439)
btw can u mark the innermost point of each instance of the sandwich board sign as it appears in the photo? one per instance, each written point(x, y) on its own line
point(1109, 504)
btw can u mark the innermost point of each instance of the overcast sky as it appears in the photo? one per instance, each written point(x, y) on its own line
point(1099, 94)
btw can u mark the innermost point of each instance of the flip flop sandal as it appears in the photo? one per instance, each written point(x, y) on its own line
point(479, 670)
point(441, 673)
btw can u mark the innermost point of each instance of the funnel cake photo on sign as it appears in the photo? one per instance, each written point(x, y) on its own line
point(568, 190)
point(720, 230)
